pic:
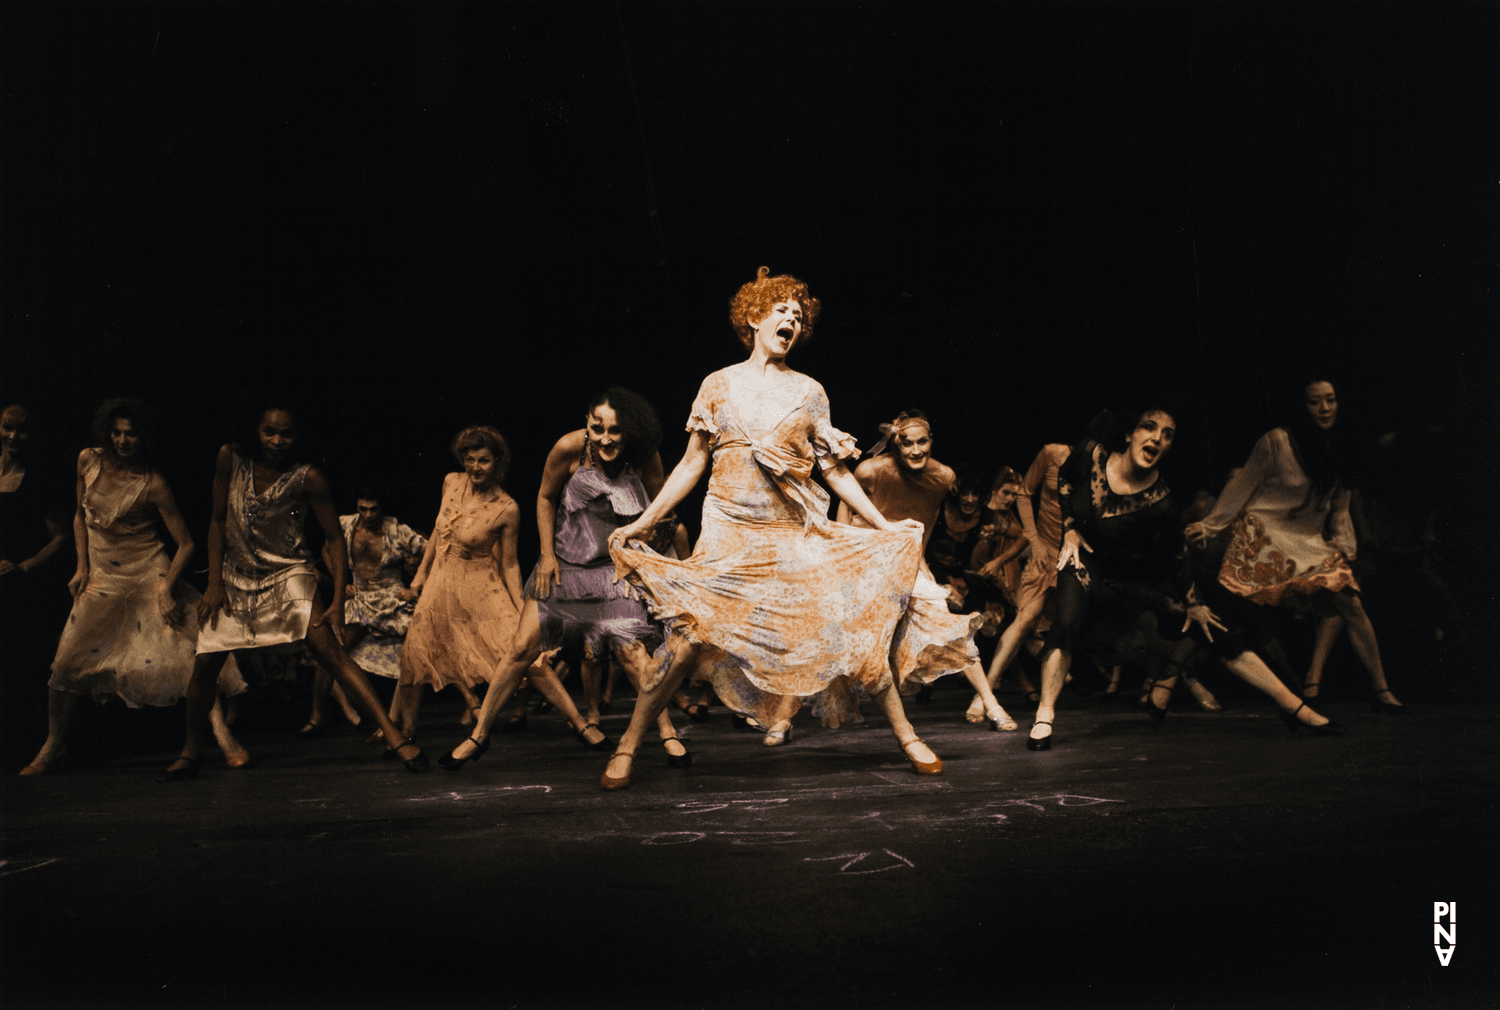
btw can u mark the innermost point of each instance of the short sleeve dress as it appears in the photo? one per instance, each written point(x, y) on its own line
point(465, 619)
point(787, 601)
point(115, 641)
point(1040, 574)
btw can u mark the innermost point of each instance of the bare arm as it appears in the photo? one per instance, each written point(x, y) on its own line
point(80, 532)
point(864, 473)
point(505, 556)
point(847, 488)
point(161, 496)
point(213, 596)
point(554, 478)
point(320, 501)
point(684, 477)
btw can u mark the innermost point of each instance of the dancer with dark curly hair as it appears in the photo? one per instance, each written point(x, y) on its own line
point(262, 586)
point(134, 625)
point(776, 600)
point(596, 479)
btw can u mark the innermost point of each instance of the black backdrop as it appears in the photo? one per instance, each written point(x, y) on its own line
point(431, 215)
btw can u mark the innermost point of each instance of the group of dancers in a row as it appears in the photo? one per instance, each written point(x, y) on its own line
point(777, 605)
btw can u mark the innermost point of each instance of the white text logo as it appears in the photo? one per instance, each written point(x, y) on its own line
point(1444, 934)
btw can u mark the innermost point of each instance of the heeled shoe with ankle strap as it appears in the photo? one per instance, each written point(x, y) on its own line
point(611, 784)
point(677, 760)
point(603, 743)
point(416, 765)
point(1040, 742)
point(188, 771)
point(449, 763)
point(1293, 724)
point(1000, 721)
point(1156, 714)
point(934, 767)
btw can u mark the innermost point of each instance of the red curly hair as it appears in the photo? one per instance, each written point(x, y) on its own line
point(752, 302)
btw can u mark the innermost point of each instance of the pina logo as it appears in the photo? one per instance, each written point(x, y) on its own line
point(1444, 934)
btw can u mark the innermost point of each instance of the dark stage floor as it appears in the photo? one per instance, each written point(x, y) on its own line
point(1212, 861)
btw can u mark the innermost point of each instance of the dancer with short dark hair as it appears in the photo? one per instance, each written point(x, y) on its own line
point(134, 625)
point(262, 586)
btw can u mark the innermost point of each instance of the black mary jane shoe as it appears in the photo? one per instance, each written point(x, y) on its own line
point(1384, 707)
point(415, 765)
point(1156, 714)
point(582, 734)
point(1293, 724)
point(1042, 743)
point(389, 754)
point(187, 771)
point(698, 712)
point(449, 763)
point(677, 760)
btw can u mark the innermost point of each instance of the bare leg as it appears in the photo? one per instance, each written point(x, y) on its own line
point(60, 705)
point(651, 702)
point(917, 752)
point(545, 679)
point(524, 651)
point(1252, 670)
point(781, 722)
point(235, 754)
point(1054, 669)
point(202, 692)
point(1328, 633)
point(636, 663)
point(405, 705)
point(321, 686)
point(326, 650)
point(351, 715)
point(471, 704)
point(986, 698)
point(1362, 637)
point(588, 673)
point(612, 679)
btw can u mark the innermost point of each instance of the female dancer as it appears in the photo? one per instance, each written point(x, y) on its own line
point(997, 555)
point(596, 479)
point(1292, 538)
point(1117, 510)
point(134, 625)
point(776, 598)
point(1043, 529)
point(469, 584)
point(262, 586)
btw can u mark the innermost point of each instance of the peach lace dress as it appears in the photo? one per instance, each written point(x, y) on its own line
point(786, 601)
point(465, 618)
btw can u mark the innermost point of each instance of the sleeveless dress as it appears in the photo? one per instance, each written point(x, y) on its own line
point(786, 601)
point(587, 605)
point(1040, 574)
point(115, 641)
point(268, 573)
point(373, 604)
point(465, 619)
point(1285, 546)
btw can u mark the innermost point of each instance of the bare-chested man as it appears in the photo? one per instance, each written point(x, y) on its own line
point(379, 608)
point(908, 483)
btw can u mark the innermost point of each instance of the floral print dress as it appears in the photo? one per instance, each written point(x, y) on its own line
point(787, 601)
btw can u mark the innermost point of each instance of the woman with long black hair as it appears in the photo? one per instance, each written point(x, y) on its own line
point(1292, 538)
